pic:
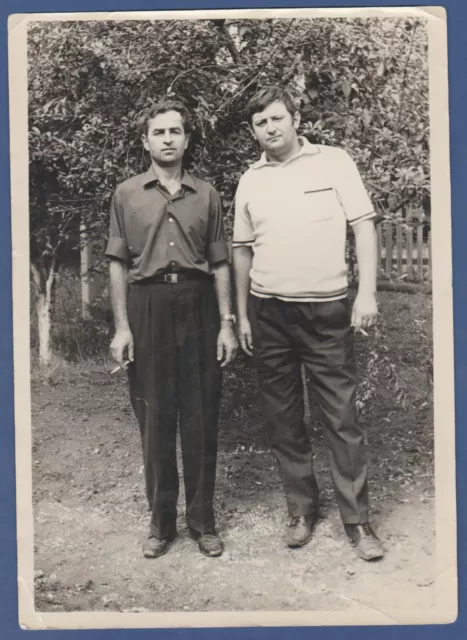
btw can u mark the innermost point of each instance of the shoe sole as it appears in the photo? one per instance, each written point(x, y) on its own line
point(151, 556)
point(212, 555)
point(148, 554)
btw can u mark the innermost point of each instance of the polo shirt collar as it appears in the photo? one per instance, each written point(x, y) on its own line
point(150, 177)
point(306, 148)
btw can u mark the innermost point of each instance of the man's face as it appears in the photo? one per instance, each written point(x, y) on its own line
point(166, 140)
point(275, 128)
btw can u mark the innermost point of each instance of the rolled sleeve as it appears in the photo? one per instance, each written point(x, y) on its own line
point(352, 193)
point(217, 250)
point(117, 246)
point(243, 229)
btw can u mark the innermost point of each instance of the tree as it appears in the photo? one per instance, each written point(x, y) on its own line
point(361, 84)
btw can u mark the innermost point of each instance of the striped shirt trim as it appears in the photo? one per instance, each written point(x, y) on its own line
point(366, 216)
point(314, 297)
point(242, 243)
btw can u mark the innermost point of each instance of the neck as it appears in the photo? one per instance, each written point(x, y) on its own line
point(168, 174)
point(286, 154)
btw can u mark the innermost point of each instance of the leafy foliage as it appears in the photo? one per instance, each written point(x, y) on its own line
point(379, 370)
point(361, 84)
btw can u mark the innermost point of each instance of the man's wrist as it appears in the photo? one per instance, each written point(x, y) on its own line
point(242, 317)
point(122, 328)
point(228, 319)
point(366, 292)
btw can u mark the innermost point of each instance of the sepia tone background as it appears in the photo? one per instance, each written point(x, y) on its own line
point(361, 84)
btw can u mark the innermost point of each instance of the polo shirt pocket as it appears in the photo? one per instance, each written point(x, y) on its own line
point(320, 204)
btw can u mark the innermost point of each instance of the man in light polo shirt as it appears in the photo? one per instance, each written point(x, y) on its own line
point(291, 213)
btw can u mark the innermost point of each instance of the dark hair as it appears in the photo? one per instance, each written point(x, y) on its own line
point(163, 107)
point(266, 96)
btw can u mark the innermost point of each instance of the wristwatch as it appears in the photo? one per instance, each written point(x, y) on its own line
point(229, 317)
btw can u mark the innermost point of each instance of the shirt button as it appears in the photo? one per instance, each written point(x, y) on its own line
point(171, 244)
point(171, 219)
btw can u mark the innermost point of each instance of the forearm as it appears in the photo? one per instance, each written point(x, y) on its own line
point(367, 256)
point(118, 273)
point(242, 261)
point(223, 288)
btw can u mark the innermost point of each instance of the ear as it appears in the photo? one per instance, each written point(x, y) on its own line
point(252, 131)
point(296, 119)
point(187, 141)
point(144, 140)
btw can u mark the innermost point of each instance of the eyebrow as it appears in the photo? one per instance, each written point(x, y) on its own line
point(170, 129)
point(263, 119)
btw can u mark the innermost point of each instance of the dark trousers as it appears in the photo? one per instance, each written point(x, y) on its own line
point(317, 334)
point(175, 377)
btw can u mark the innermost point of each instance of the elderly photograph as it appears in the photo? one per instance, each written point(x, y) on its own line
point(231, 317)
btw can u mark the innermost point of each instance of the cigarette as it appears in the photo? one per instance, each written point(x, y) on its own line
point(120, 366)
point(363, 331)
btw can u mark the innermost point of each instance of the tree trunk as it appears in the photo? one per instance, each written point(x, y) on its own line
point(86, 259)
point(44, 283)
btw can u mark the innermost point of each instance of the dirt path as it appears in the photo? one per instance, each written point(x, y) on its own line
point(90, 515)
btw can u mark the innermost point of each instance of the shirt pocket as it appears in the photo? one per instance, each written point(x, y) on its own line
point(144, 223)
point(320, 204)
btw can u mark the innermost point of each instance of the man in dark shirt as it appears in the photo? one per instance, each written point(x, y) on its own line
point(171, 298)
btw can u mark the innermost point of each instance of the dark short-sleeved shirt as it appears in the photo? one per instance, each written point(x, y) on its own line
point(153, 231)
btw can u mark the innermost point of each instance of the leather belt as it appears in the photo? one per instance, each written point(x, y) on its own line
point(175, 277)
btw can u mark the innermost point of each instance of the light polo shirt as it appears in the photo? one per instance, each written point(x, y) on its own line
point(153, 231)
point(294, 215)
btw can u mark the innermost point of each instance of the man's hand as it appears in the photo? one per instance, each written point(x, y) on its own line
point(227, 344)
point(245, 336)
point(364, 312)
point(122, 341)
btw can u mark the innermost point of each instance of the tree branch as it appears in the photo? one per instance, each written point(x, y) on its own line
point(257, 71)
point(229, 43)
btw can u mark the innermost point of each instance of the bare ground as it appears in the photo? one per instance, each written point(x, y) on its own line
point(90, 510)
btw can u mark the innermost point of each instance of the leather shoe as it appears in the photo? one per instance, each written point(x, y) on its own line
point(364, 540)
point(209, 543)
point(154, 547)
point(300, 530)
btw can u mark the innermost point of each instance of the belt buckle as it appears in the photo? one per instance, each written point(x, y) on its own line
point(171, 278)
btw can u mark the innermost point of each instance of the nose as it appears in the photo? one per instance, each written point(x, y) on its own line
point(167, 138)
point(270, 127)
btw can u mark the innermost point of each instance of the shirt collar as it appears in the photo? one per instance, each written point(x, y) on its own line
point(150, 177)
point(306, 148)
